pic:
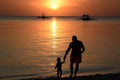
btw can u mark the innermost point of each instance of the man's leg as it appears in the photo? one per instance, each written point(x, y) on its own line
point(71, 69)
point(76, 69)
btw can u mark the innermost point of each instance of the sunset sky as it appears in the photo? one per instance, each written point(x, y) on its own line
point(59, 7)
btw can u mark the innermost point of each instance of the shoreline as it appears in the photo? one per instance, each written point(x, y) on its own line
point(110, 76)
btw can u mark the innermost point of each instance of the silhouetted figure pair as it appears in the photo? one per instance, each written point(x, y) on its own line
point(77, 48)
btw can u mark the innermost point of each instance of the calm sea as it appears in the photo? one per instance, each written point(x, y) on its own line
point(29, 46)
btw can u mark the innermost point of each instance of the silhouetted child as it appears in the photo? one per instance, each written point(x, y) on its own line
point(59, 67)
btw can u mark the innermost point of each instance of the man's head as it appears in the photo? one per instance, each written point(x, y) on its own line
point(74, 38)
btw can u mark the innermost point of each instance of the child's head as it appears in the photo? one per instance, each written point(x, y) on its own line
point(58, 59)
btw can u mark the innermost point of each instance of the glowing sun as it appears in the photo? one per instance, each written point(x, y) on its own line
point(54, 6)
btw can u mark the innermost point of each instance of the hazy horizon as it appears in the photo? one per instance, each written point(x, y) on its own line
point(53, 16)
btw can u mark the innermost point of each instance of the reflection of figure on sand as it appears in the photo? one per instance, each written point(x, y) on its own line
point(76, 57)
point(59, 67)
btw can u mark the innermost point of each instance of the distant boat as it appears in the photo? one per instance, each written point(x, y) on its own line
point(43, 16)
point(85, 18)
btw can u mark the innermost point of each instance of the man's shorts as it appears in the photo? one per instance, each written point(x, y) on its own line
point(76, 59)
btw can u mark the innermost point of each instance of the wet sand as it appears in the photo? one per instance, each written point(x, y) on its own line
point(111, 76)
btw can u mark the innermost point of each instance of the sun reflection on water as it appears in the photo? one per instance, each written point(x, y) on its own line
point(54, 35)
point(54, 28)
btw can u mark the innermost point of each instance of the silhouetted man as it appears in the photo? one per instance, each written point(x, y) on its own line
point(76, 57)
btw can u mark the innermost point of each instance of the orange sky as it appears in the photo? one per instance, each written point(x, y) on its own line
point(63, 7)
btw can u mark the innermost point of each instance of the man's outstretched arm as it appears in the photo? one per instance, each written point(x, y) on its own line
point(68, 49)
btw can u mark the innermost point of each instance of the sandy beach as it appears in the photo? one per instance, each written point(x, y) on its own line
point(111, 76)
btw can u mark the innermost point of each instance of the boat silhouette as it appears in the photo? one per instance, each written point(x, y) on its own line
point(85, 17)
point(43, 16)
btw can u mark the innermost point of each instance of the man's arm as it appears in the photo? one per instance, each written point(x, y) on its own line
point(83, 48)
point(56, 66)
point(68, 49)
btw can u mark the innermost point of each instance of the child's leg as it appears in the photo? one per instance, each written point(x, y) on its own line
point(57, 73)
point(60, 73)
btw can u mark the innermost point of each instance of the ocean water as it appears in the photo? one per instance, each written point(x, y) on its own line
point(29, 46)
